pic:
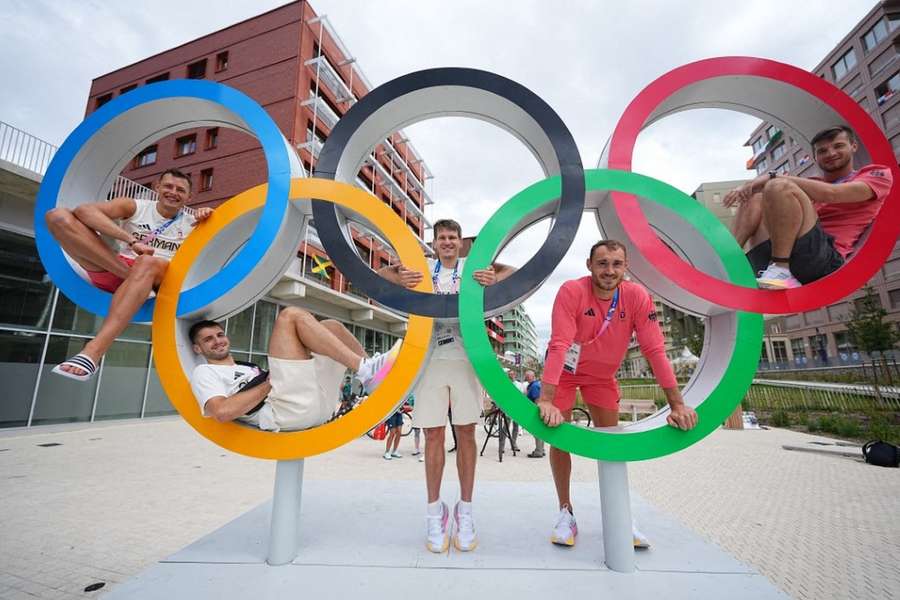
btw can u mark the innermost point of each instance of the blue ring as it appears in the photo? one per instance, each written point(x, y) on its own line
point(278, 164)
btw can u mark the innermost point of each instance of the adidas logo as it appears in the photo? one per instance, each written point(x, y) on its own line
point(589, 312)
point(237, 375)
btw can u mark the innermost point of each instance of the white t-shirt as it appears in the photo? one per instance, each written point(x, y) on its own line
point(145, 220)
point(209, 381)
point(446, 338)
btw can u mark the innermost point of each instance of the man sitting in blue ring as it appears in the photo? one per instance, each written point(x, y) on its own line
point(147, 233)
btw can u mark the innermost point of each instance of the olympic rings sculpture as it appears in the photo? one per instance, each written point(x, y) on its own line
point(680, 252)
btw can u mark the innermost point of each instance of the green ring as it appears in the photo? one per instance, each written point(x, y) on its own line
point(604, 445)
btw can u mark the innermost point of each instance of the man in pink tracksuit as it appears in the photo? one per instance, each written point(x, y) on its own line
point(593, 320)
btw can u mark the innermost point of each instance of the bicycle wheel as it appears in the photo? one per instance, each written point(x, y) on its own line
point(492, 424)
point(407, 427)
point(581, 417)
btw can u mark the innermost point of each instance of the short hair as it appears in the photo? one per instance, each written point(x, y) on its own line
point(611, 245)
point(449, 225)
point(196, 327)
point(826, 135)
point(176, 174)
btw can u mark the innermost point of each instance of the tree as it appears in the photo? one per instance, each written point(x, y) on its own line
point(870, 332)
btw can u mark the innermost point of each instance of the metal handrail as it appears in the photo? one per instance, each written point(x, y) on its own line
point(25, 150)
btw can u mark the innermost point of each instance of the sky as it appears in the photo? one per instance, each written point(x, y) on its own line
point(586, 59)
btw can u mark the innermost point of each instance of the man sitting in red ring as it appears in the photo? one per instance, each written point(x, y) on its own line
point(147, 234)
point(801, 229)
point(593, 320)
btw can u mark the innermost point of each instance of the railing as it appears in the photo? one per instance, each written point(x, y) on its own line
point(130, 189)
point(25, 150)
point(770, 394)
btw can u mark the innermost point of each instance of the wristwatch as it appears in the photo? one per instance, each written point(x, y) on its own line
point(773, 174)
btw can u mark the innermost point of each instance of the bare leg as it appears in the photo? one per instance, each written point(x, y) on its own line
point(343, 334)
point(561, 468)
point(297, 333)
point(748, 222)
point(434, 461)
point(82, 243)
point(788, 213)
point(397, 431)
point(146, 273)
point(466, 457)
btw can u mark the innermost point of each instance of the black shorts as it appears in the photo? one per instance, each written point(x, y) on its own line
point(813, 256)
point(395, 420)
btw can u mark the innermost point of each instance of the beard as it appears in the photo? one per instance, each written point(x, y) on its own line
point(834, 166)
point(607, 283)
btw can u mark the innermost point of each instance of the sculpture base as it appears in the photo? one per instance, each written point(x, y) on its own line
point(367, 538)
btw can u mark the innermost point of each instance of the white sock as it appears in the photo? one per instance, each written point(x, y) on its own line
point(435, 509)
point(360, 365)
point(465, 507)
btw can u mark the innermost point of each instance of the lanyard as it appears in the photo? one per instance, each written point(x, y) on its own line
point(849, 175)
point(159, 230)
point(454, 278)
point(609, 315)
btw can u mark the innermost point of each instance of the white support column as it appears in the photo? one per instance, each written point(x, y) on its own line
point(284, 532)
point(618, 543)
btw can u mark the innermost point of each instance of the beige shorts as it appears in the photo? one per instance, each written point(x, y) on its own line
point(447, 385)
point(305, 393)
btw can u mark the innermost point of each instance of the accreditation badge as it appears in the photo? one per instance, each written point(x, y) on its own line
point(570, 362)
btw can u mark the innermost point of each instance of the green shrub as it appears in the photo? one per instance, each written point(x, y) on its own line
point(780, 418)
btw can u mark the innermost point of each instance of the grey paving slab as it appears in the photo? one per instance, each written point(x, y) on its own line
point(387, 530)
point(179, 580)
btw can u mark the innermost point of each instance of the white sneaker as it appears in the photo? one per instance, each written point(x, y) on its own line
point(776, 277)
point(387, 456)
point(396, 454)
point(416, 452)
point(421, 457)
point(565, 529)
point(464, 539)
point(640, 540)
point(438, 532)
point(372, 370)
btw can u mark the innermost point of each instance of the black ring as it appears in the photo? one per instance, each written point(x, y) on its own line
point(525, 280)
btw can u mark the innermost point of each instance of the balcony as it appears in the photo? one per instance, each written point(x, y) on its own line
point(322, 111)
point(396, 189)
point(313, 146)
point(332, 80)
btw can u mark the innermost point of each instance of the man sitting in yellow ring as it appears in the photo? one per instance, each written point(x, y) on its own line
point(307, 362)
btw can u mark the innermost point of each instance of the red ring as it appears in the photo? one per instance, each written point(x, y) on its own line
point(846, 280)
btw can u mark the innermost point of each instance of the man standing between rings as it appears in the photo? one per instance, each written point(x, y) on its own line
point(448, 382)
point(804, 228)
point(147, 234)
point(593, 320)
point(533, 392)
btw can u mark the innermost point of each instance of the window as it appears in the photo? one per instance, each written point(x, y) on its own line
point(127, 88)
point(779, 151)
point(206, 180)
point(772, 131)
point(844, 65)
point(197, 70)
point(162, 77)
point(212, 138)
point(875, 35)
point(222, 61)
point(803, 160)
point(761, 166)
point(186, 145)
point(783, 168)
point(798, 347)
point(887, 89)
point(101, 100)
point(779, 349)
point(147, 157)
point(894, 296)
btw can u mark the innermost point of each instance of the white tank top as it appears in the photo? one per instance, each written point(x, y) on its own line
point(146, 220)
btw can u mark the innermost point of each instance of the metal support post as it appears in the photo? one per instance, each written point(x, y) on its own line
point(284, 533)
point(618, 543)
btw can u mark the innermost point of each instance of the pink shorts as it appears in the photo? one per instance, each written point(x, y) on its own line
point(599, 393)
point(105, 280)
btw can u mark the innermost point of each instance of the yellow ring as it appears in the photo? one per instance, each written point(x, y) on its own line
point(294, 444)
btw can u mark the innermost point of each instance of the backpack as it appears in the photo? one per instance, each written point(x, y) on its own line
point(881, 453)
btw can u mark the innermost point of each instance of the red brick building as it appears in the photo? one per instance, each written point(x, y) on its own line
point(293, 64)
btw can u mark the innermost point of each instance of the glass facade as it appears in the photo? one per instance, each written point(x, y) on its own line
point(40, 328)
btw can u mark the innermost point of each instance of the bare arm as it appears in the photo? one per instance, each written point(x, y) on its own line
point(494, 273)
point(680, 416)
point(102, 216)
point(224, 409)
point(401, 275)
point(832, 193)
point(550, 415)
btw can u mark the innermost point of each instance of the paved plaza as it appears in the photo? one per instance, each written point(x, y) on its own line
point(109, 500)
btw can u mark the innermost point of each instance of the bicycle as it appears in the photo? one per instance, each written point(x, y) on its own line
point(581, 417)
